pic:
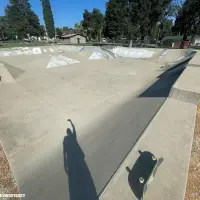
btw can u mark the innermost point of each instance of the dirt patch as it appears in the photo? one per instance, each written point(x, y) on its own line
point(193, 183)
point(7, 181)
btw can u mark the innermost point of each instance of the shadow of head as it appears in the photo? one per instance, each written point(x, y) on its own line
point(143, 168)
point(69, 132)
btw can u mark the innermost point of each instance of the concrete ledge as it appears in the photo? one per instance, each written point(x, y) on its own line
point(187, 87)
point(185, 95)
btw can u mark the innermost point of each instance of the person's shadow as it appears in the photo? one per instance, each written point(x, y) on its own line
point(81, 186)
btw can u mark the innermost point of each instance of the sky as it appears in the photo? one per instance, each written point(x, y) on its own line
point(66, 12)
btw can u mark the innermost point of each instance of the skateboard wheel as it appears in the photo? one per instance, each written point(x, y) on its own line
point(154, 158)
point(141, 180)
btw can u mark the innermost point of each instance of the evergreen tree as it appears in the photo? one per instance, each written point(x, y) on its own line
point(92, 23)
point(21, 19)
point(117, 21)
point(146, 13)
point(59, 32)
point(3, 28)
point(133, 18)
point(48, 18)
point(188, 20)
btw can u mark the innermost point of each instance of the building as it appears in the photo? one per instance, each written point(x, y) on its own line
point(174, 41)
point(197, 41)
point(73, 39)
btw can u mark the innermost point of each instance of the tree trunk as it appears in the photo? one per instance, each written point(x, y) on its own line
point(158, 35)
point(2, 35)
point(183, 41)
point(100, 37)
point(192, 38)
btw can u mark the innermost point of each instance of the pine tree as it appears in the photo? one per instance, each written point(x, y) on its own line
point(133, 18)
point(116, 19)
point(48, 18)
point(147, 13)
point(188, 20)
point(21, 19)
point(92, 23)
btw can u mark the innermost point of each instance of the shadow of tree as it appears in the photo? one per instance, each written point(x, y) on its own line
point(81, 185)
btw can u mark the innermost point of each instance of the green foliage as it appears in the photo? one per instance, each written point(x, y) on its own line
point(147, 13)
point(166, 28)
point(65, 28)
point(59, 32)
point(21, 20)
point(3, 28)
point(188, 19)
point(48, 18)
point(42, 30)
point(92, 24)
point(117, 19)
point(133, 18)
point(173, 9)
point(78, 28)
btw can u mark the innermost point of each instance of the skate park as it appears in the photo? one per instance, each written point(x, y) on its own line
point(117, 98)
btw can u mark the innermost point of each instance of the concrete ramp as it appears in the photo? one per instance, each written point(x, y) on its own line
point(96, 56)
point(171, 55)
point(132, 52)
point(60, 60)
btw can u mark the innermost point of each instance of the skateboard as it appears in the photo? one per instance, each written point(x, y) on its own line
point(143, 173)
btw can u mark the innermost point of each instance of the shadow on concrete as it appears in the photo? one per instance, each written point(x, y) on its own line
point(81, 185)
point(14, 71)
point(162, 87)
point(145, 166)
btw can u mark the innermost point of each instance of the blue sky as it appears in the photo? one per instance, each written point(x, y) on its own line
point(66, 12)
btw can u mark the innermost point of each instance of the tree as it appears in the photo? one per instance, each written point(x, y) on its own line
point(42, 30)
point(3, 27)
point(97, 23)
point(59, 32)
point(78, 28)
point(133, 18)
point(65, 28)
point(116, 19)
point(92, 23)
point(147, 13)
point(87, 24)
point(188, 20)
point(173, 9)
point(48, 18)
point(166, 28)
point(33, 24)
point(21, 19)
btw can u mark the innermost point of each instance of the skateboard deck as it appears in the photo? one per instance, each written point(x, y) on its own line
point(143, 173)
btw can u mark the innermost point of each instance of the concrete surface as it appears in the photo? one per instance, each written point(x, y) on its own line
point(5, 76)
point(168, 136)
point(111, 102)
point(187, 87)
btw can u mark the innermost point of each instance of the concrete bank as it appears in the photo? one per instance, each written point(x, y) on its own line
point(170, 136)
